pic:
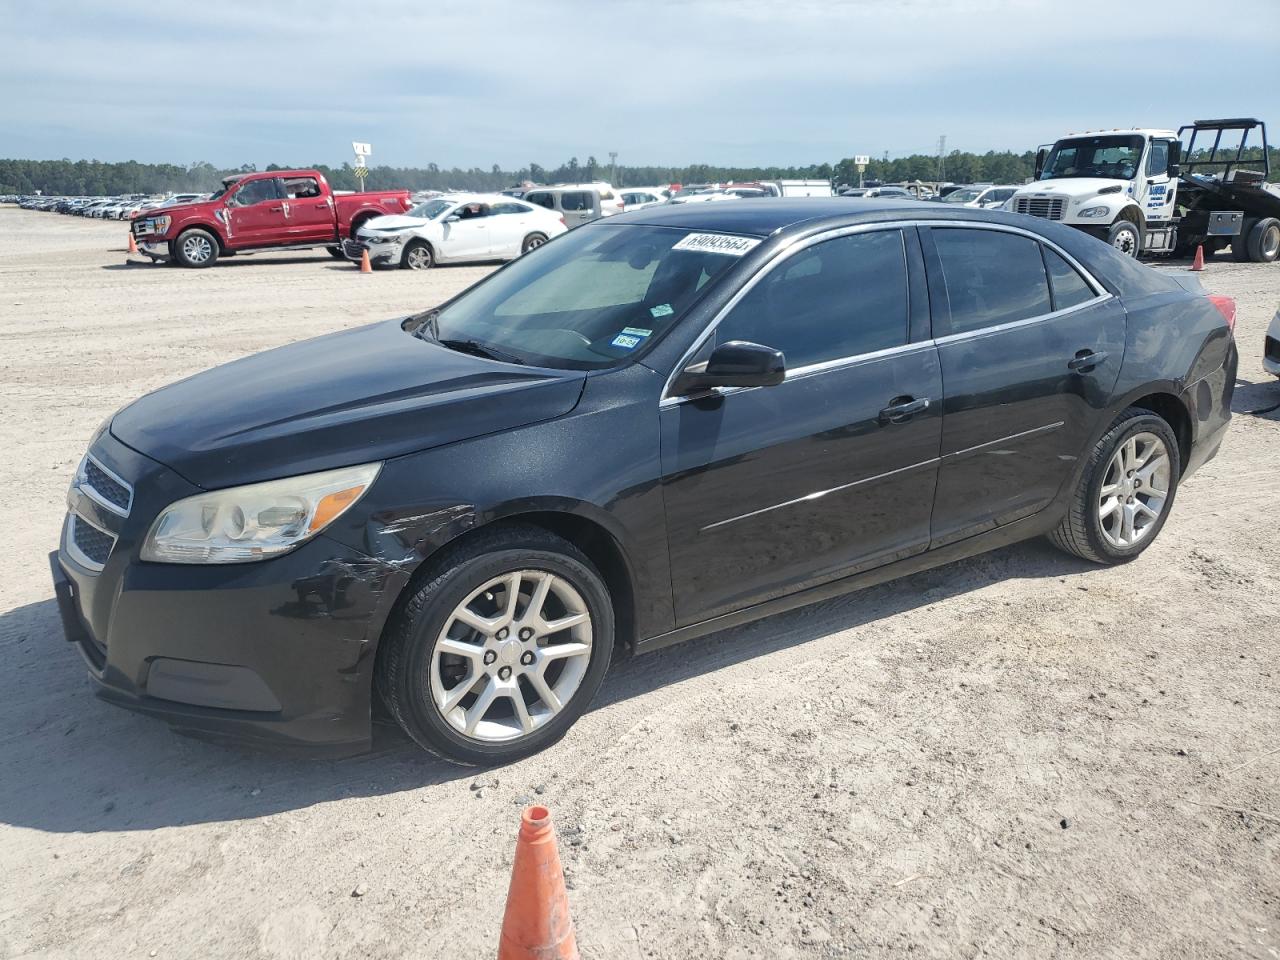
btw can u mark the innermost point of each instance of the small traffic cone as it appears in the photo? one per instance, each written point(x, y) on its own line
point(537, 925)
point(365, 265)
point(1198, 263)
point(133, 244)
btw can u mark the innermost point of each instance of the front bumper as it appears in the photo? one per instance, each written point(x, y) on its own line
point(278, 652)
point(155, 249)
point(380, 254)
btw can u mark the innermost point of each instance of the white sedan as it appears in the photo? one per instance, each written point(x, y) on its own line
point(456, 228)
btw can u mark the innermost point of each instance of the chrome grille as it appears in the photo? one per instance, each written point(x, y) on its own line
point(92, 545)
point(104, 487)
point(1047, 208)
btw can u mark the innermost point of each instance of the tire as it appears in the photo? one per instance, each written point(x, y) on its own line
point(1088, 529)
point(196, 248)
point(532, 242)
point(1125, 237)
point(1240, 242)
point(1263, 244)
point(336, 253)
point(418, 255)
point(411, 673)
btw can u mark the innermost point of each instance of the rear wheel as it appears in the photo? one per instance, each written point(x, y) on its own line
point(533, 241)
point(1263, 244)
point(1125, 237)
point(1240, 242)
point(500, 652)
point(417, 256)
point(195, 248)
point(1126, 491)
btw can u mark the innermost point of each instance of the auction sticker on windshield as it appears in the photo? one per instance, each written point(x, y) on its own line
point(718, 243)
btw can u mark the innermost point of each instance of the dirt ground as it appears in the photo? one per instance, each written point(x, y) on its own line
point(1019, 755)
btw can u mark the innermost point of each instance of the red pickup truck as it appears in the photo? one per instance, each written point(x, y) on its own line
point(274, 210)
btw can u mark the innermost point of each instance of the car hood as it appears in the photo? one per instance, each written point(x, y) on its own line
point(361, 395)
point(397, 222)
point(1075, 188)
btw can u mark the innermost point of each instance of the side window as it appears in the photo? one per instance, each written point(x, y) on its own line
point(991, 277)
point(301, 188)
point(498, 209)
point(839, 298)
point(575, 201)
point(1158, 158)
point(256, 191)
point(1069, 288)
point(542, 200)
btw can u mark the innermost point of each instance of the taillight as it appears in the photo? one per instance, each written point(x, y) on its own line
point(562, 223)
point(1227, 307)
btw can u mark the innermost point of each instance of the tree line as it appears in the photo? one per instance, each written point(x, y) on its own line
point(96, 178)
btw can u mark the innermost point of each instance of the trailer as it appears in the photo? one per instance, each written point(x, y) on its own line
point(1144, 192)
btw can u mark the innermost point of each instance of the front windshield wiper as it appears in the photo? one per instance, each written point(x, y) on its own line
point(478, 349)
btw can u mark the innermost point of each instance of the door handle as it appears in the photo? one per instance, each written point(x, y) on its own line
point(1086, 360)
point(275, 209)
point(901, 409)
point(322, 206)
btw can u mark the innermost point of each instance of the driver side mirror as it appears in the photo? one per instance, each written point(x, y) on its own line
point(1175, 159)
point(452, 218)
point(733, 364)
point(1041, 155)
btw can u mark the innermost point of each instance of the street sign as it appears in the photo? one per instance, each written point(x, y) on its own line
point(362, 149)
point(861, 160)
point(360, 160)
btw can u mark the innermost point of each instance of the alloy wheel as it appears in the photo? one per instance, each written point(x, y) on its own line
point(1135, 489)
point(197, 249)
point(418, 258)
point(511, 656)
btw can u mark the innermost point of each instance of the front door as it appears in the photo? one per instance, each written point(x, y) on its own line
point(1030, 351)
point(1160, 190)
point(256, 214)
point(466, 233)
point(309, 213)
point(773, 489)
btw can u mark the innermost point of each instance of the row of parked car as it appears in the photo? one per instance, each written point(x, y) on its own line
point(103, 208)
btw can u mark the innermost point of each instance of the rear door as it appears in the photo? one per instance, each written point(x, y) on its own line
point(1030, 348)
point(770, 490)
point(509, 224)
point(256, 214)
point(308, 211)
point(578, 207)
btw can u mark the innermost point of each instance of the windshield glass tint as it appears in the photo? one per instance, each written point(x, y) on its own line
point(1115, 158)
point(430, 209)
point(592, 298)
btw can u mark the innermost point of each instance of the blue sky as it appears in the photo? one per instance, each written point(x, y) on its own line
point(662, 81)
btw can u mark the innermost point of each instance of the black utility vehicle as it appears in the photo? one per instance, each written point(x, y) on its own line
point(651, 428)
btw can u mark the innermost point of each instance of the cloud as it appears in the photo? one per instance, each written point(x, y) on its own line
point(727, 81)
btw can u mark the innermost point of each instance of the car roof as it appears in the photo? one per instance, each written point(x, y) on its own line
point(762, 218)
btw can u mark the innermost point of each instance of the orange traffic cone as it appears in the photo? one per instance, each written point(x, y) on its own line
point(133, 244)
point(365, 266)
point(537, 925)
point(1198, 263)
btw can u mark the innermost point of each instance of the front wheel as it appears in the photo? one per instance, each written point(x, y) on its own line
point(195, 248)
point(336, 253)
point(1125, 237)
point(417, 256)
point(1126, 491)
point(499, 653)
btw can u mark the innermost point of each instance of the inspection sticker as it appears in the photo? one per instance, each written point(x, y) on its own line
point(625, 342)
point(641, 331)
point(662, 310)
point(718, 243)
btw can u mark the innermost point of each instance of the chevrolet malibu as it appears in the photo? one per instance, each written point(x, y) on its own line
point(651, 428)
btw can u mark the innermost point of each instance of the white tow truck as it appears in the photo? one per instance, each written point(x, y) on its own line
point(1145, 191)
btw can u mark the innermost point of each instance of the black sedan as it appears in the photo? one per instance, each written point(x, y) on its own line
point(651, 428)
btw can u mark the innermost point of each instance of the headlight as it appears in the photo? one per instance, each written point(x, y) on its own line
point(1092, 212)
point(255, 522)
point(157, 224)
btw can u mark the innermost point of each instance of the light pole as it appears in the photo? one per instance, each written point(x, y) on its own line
point(613, 167)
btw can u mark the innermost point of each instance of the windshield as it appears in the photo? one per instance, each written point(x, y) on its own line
point(962, 196)
point(1115, 158)
point(430, 209)
point(226, 185)
point(595, 296)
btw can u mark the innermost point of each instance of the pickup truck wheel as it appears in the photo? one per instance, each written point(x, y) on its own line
point(1124, 236)
point(533, 241)
point(417, 256)
point(195, 248)
point(1264, 241)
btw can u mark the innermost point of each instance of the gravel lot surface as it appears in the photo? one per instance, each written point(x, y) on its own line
point(1019, 755)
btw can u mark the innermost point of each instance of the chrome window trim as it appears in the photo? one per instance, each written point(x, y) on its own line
point(83, 485)
point(666, 399)
point(74, 551)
